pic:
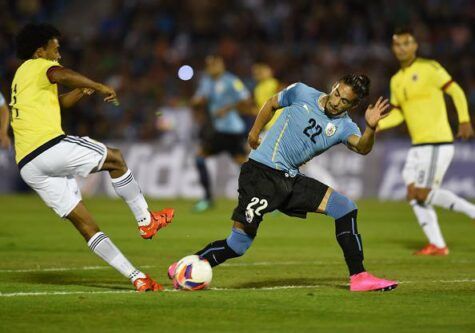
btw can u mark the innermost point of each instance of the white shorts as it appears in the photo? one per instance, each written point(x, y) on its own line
point(51, 173)
point(426, 165)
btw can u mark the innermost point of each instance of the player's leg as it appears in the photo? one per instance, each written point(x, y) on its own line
point(432, 194)
point(129, 190)
point(259, 193)
point(203, 174)
point(415, 173)
point(62, 194)
point(235, 245)
point(345, 213)
point(427, 219)
point(311, 196)
point(103, 247)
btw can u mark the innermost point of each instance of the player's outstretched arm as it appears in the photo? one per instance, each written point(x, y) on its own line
point(364, 144)
point(5, 142)
point(465, 130)
point(243, 106)
point(67, 100)
point(263, 117)
point(72, 79)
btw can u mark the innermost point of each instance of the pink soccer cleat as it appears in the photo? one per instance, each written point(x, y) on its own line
point(366, 282)
point(171, 270)
point(171, 275)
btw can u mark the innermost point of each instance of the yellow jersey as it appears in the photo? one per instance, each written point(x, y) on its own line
point(36, 114)
point(262, 92)
point(417, 97)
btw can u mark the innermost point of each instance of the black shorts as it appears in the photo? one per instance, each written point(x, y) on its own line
point(263, 189)
point(215, 142)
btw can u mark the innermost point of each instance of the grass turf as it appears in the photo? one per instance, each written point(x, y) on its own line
point(293, 279)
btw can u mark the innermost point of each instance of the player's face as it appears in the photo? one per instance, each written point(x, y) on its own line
point(404, 47)
point(341, 99)
point(51, 51)
point(261, 72)
point(214, 66)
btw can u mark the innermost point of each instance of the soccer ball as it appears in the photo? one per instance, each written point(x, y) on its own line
point(193, 273)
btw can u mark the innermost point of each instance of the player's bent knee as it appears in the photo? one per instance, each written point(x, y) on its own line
point(114, 156)
point(339, 205)
point(421, 195)
point(239, 241)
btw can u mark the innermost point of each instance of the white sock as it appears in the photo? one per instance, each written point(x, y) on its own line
point(128, 189)
point(427, 219)
point(101, 245)
point(448, 200)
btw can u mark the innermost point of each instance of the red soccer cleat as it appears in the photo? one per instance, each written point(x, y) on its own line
point(147, 284)
point(158, 220)
point(432, 250)
point(367, 282)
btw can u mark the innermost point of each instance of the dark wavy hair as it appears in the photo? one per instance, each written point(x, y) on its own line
point(32, 37)
point(359, 83)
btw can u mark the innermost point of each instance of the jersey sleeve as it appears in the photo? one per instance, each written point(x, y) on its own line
point(392, 95)
point(2, 100)
point(239, 90)
point(290, 94)
point(204, 88)
point(46, 67)
point(349, 129)
point(439, 76)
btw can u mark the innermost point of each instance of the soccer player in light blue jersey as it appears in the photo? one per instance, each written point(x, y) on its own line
point(225, 97)
point(310, 123)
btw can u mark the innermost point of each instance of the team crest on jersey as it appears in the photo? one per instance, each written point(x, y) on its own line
point(414, 77)
point(330, 129)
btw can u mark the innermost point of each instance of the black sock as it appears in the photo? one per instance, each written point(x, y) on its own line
point(217, 252)
point(350, 242)
point(204, 176)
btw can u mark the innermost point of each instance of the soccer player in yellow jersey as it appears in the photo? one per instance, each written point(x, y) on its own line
point(49, 160)
point(266, 87)
point(417, 91)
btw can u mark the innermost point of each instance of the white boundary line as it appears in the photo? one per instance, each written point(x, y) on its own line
point(62, 293)
point(235, 264)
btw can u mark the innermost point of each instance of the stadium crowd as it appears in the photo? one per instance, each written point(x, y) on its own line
point(138, 46)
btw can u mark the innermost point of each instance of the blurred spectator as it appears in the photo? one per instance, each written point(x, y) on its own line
point(138, 45)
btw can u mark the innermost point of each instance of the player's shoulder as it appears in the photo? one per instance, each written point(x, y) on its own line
point(37, 64)
point(303, 88)
point(230, 77)
point(429, 64)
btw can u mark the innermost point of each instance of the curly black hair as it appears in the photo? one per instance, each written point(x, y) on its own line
point(359, 83)
point(32, 37)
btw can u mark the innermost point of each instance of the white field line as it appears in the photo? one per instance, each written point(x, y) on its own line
point(232, 264)
point(62, 293)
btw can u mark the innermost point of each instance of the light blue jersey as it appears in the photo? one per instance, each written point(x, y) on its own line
point(225, 90)
point(302, 131)
point(2, 100)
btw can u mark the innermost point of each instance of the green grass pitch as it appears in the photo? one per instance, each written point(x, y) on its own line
point(293, 279)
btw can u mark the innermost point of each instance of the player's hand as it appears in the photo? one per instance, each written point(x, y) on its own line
point(111, 95)
point(222, 112)
point(5, 141)
point(87, 91)
point(374, 113)
point(254, 140)
point(465, 131)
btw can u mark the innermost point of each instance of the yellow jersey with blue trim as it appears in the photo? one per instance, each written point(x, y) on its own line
point(36, 113)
